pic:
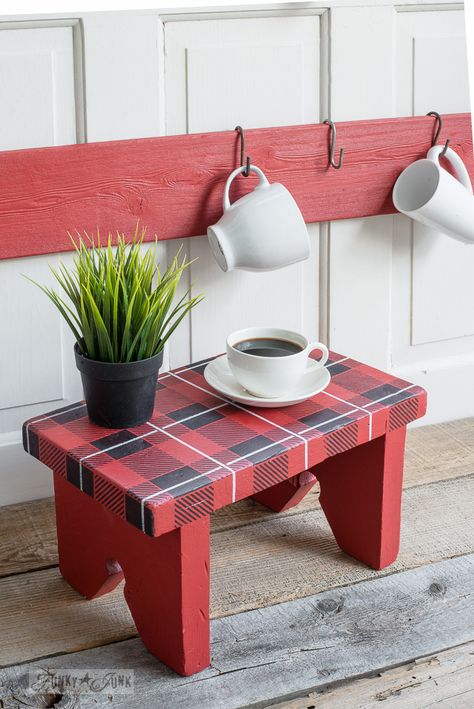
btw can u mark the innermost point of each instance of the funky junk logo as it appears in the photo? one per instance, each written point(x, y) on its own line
point(84, 681)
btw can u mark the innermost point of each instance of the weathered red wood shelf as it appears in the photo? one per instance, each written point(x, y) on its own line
point(174, 184)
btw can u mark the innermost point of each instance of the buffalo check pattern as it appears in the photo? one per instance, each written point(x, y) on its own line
point(200, 451)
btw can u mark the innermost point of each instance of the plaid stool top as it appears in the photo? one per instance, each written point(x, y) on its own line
point(200, 451)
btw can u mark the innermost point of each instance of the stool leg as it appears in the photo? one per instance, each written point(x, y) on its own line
point(361, 498)
point(167, 591)
point(166, 578)
point(85, 559)
point(286, 494)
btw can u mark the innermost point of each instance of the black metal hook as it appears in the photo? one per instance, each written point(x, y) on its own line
point(246, 172)
point(439, 125)
point(335, 165)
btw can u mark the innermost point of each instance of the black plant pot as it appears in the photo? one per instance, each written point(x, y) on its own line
point(119, 395)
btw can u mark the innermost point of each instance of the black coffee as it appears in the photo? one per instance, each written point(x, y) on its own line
point(268, 347)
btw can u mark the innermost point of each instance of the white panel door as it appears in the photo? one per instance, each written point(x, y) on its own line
point(37, 95)
point(399, 294)
point(433, 284)
point(41, 94)
point(360, 250)
point(253, 71)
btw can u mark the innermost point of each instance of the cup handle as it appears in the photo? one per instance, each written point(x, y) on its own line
point(452, 157)
point(319, 346)
point(262, 181)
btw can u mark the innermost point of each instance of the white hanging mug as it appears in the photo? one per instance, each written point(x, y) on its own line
point(262, 231)
point(429, 194)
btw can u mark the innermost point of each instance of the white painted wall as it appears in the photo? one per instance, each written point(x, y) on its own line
point(256, 71)
point(400, 296)
point(378, 289)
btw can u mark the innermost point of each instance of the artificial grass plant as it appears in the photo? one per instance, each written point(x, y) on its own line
point(119, 305)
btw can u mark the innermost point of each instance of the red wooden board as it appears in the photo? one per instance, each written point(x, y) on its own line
point(174, 184)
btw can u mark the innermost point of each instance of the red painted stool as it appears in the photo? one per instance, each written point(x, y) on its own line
point(135, 503)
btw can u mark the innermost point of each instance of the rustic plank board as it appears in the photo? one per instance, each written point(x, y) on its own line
point(28, 537)
point(174, 184)
point(444, 680)
point(433, 453)
point(253, 566)
point(281, 559)
point(439, 452)
point(273, 653)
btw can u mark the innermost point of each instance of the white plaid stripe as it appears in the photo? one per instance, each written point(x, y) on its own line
point(193, 416)
point(208, 472)
point(333, 396)
point(143, 435)
point(110, 448)
point(331, 364)
point(389, 396)
point(252, 413)
point(221, 466)
point(324, 423)
point(45, 418)
point(353, 408)
point(196, 450)
point(162, 376)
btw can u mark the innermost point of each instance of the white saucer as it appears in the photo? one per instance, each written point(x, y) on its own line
point(219, 376)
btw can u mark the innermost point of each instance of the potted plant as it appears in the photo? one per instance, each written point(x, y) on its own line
point(121, 309)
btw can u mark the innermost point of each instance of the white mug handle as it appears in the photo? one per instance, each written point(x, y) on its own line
point(262, 181)
point(319, 346)
point(452, 157)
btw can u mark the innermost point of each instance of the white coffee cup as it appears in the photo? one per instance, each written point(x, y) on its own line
point(429, 194)
point(270, 377)
point(261, 231)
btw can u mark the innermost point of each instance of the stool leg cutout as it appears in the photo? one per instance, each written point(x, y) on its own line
point(86, 560)
point(166, 578)
point(361, 498)
point(286, 494)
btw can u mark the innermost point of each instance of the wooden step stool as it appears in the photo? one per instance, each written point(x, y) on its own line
point(136, 502)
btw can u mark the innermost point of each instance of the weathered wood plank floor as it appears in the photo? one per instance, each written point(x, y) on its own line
point(296, 621)
point(444, 680)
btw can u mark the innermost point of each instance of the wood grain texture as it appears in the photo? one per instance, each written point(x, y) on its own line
point(174, 184)
point(271, 653)
point(444, 680)
point(433, 453)
point(28, 537)
point(253, 566)
point(282, 559)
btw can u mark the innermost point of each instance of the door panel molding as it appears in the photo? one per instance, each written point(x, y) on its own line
point(43, 53)
point(76, 26)
point(195, 37)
